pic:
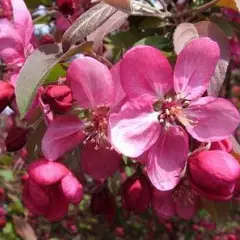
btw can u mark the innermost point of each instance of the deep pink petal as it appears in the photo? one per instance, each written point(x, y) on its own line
point(186, 210)
point(224, 145)
point(45, 172)
point(91, 82)
point(11, 44)
point(134, 129)
point(210, 119)
point(195, 67)
point(72, 189)
point(58, 206)
point(35, 198)
point(163, 204)
point(167, 158)
point(22, 21)
point(99, 164)
point(120, 94)
point(145, 71)
point(62, 135)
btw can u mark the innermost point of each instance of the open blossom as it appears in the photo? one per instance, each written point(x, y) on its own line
point(214, 174)
point(181, 201)
point(162, 102)
point(15, 38)
point(94, 88)
point(50, 188)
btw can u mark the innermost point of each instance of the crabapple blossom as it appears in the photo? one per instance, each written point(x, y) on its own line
point(164, 105)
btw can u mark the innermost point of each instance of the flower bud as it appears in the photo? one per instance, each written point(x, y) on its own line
point(2, 194)
point(3, 222)
point(46, 39)
point(214, 174)
point(103, 203)
point(59, 98)
point(6, 94)
point(66, 7)
point(16, 139)
point(136, 194)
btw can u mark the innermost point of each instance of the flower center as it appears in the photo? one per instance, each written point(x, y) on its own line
point(169, 109)
point(96, 130)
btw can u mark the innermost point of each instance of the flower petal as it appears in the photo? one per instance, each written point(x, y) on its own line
point(120, 94)
point(62, 135)
point(213, 119)
point(134, 129)
point(45, 172)
point(195, 67)
point(167, 158)
point(163, 204)
point(186, 210)
point(99, 164)
point(58, 206)
point(22, 21)
point(35, 198)
point(72, 189)
point(11, 44)
point(91, 82)
point(145, 71)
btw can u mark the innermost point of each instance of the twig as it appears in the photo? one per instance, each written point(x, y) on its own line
point(39, 18)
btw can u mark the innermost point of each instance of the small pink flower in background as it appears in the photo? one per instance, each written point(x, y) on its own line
point(150, 124)
point(6, 10)
point(235, 50)
point(136, 194)
point(231, 14)
point(94, 88)
point(181, 201)
point(15, 38)
point(50, 188)
point(213, 174)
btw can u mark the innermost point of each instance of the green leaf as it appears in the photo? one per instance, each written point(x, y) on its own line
point(6, 159)
point(7, 175)
point(54, 74)
point(227, 28)
point(218, 210)
point(156, 41)
point(37, 68)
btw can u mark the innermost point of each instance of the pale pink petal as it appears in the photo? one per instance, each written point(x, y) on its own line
point(35, 198)
point(194, 67)
point(210, 119)
point(58, 206)
point(120, 94)
point(167, 158)
point(45, 172)
point(22, 21)
point(72, 189)
point(186, 210)
point(11, 44)
point(163, 204)
point(145, 71)
point(134, 129)
point(62, 135)
point(91, 82)
point(99, 164)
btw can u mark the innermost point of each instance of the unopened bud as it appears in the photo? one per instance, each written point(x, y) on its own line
point(59, 98)
point(16, 139)
point(66, 7)
point(136, 194)
point(6, 94)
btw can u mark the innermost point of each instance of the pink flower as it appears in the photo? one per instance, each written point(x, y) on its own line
point(213, 174)
point(94, 88)
point(15, 39)
point(181, 201)
point(150, 124)
point(50, 188)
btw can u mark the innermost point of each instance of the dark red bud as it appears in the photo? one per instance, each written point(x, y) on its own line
point(3, 222)
point(46, 39)
point(136, 194)
point(2, 194)
point(59, 98)
point(6, 94)
point(103, 203)
point(66, 7)
point(6, 10)
point(16, 139)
